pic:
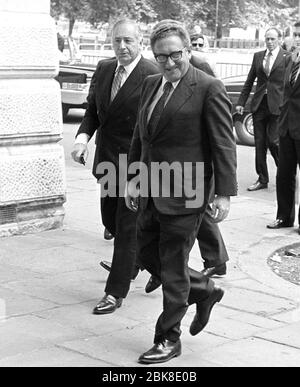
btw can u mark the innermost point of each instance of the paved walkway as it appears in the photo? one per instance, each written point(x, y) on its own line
point(50, 282)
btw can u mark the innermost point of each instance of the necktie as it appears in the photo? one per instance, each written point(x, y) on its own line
point(267, 64)
point(294, 72)
point(159, 107)
point(116, 85)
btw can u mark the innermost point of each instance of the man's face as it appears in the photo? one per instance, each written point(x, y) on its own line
point(272, 40)
point(126, 43)
point(198, 44)
point(296, 38)
point(173, 69)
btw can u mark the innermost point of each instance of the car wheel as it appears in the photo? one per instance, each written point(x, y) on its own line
point(65, 110)
point(244, 128)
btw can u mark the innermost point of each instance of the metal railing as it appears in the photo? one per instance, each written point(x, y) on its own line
point(228, 70)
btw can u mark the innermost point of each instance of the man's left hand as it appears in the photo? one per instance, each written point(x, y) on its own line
point(220, 208)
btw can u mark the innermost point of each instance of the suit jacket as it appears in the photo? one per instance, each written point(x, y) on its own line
point(114, 122)
point(195, 126)
point(201, 64)
point(274, 84)
point(290, 110)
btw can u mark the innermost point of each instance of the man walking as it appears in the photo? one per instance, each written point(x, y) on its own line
point(268, 68)
point(111, 113)
point(184, 117)
point(289, 150)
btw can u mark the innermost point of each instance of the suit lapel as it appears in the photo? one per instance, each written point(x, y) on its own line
point(278, 60)
point(145, 108)
point(131, 84)
point(261, 61)
point(179, 97)
point(109, 72)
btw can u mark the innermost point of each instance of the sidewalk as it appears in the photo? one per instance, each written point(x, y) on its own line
point(50, 282)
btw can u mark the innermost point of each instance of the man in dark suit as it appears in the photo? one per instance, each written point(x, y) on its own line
point(268, 67)
point(111, 113)
point(289, 137)
point(185, 121)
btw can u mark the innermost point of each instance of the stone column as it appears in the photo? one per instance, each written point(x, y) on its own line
point(32, 167)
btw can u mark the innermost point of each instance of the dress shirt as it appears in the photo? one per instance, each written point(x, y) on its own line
point(159, 94)
point(273, 57)
point(297, 58)
point(83, 138)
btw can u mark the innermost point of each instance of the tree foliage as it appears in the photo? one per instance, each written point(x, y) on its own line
point(232, 13)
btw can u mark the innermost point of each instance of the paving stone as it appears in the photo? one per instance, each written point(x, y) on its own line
point(21, 335)
point(287, 335)
point(253, 352)
point(15, 304)
point(291, 316)
point(257, 321)
point(80, 316)
point(11, 273)
point(51, 357)
point(255, 302)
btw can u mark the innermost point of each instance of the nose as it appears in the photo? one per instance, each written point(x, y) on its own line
point(122, 44)
point(170, 62)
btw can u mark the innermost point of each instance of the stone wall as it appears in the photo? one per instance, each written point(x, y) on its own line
point(32, 171)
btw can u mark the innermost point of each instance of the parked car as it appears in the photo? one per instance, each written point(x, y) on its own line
point(243, 124)
point(75, 80)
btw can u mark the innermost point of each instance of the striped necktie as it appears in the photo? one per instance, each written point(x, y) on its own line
point(116, 85)
point(267, 64)
point(294, 72)
point(159, 107)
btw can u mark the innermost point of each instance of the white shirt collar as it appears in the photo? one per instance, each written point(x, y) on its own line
point(274, 52)
point(174, 84)
point(129, 68)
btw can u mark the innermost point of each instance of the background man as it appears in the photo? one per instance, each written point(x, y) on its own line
point(268, 67)
point(112, 109)
point(184, 116)
point(289, 149)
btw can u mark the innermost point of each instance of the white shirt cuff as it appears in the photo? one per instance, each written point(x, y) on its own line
point(82, 138)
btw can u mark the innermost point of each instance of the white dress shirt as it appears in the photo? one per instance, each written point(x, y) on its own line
point(273, 57)
point(83, 138)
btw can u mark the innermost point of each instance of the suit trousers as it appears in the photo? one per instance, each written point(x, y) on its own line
point(211, 243)
point(289, 158)
point(121, 223)
point(266, 136)
point(163, 246)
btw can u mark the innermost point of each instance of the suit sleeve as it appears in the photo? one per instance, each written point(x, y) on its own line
point(218, 122)
point(248, 84)
point(90, 121)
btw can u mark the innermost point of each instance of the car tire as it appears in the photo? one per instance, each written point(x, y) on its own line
point(244, 128)
point(65, 110)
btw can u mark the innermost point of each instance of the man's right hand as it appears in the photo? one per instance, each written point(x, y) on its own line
point(79, 151)
point(240, 109)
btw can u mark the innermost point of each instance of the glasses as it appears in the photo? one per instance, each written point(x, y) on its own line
point(163, 58)
point(296, 34)
point(197, 44)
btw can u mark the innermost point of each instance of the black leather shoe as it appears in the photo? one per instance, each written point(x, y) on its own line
point(279, 223)
point(161, 352)
point(106, 265)
point(152, 284)
point(215, 270)
point(204, 309)
point(107, 235)
point(256, 186)
point(108, 304)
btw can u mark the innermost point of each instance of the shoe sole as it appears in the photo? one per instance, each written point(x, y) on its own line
point(106, 312)
point(145, 361)
point(104, 266)
point(209, 313)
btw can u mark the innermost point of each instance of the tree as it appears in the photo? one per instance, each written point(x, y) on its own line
point(71, 9)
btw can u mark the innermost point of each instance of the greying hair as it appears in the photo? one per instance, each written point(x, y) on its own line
point(279, 33)
point(169, 27)
point(127, 21)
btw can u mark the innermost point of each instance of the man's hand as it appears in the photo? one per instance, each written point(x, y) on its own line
point(219, 209)
point(79, 153)
point(239, 109)
point(132, 196)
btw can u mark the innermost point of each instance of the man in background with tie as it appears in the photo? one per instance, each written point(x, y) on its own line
point(111, 113)
point(268, 68)
point(289, 149)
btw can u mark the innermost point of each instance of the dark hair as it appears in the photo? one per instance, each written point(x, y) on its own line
point(169, 27)
point(127, 21)
point(279, 33)
point(196, 37)
point(297, 24)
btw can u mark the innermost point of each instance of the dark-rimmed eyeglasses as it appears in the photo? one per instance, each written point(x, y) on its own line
point(296, 34)
point(197, 44)
point(163, 58)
